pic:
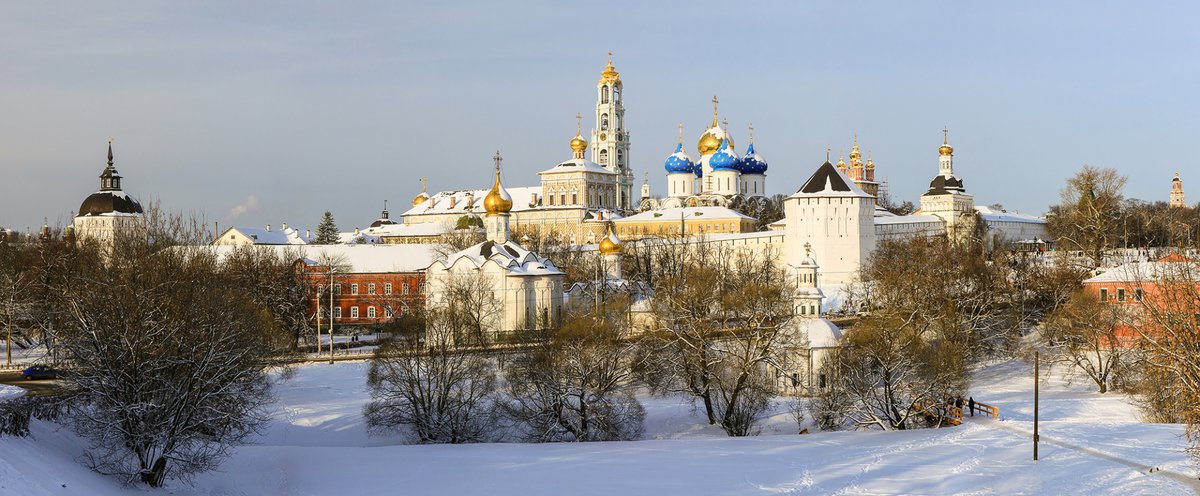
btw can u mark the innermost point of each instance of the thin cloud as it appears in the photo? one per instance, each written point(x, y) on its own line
point(249, 205)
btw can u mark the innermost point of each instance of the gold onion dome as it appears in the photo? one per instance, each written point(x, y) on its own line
point(610, 244)
point(945, 149)
point(855, 155)
point(497, 200)
point(578, 144)
point(419, 199)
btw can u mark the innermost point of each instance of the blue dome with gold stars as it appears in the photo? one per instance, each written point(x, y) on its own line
point(679, 162)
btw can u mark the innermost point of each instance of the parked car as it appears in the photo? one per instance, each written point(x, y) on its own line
point(40, 372)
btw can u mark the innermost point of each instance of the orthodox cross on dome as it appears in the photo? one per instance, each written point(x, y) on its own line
point(681, 136)
point(578, 119)
point(945, 135)
point(424, 183)
point(497, 158)
point(610, 57)
point(725, 126)
point(751, 133)
point(807, 249)
point(714, 124)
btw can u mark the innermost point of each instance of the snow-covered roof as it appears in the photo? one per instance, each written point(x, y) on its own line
point(821, 333)
point(512, 257)
point(422, 229)
point(1148, 271)
point(688, 213)
point(991, 215)
point(357, 237)
point(578, 165)
point(381, 258)
point(283, 236)
point(440, 202)
point(828, 182)
point(907, 219)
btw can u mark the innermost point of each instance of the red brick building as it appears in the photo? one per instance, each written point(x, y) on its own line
point(371, 284)
point(1141, 287)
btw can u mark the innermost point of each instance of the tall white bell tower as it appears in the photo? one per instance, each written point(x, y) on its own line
point(610, 139)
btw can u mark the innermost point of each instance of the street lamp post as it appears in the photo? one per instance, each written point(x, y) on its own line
point(330, 316)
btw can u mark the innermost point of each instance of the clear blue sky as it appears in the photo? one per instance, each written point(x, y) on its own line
point(338, 105)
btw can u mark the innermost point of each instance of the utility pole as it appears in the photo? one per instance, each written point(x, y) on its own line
point(1036, 375)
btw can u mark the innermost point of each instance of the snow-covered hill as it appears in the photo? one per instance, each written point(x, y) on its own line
point(1092, 444)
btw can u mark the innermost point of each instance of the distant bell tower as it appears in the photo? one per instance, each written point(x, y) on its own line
point(1177, 192)
point(610, 139)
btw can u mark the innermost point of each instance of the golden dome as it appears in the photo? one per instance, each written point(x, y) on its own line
point(945, 149)
point(610, 74)
point(497, 200)
point(610, 244)
point(841, 165)
point(578, 144)
point(855, 155)
point(421, 198)
point(710, 141)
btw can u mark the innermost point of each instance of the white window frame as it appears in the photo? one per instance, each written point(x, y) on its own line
point(387, 288)
point(354, 288)
point(371, 312)
point(371, 288)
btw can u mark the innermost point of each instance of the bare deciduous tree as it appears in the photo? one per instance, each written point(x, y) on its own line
point(577, 384)
point(166, 357)
point(1084, 334)
point(441, 393)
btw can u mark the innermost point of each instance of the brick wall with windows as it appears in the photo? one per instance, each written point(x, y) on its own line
point(357, 299)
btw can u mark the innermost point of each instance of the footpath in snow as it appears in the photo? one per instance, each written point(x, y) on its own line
point(318, 445)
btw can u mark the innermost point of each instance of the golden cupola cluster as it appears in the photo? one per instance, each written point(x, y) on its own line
point(497, 201)
point(945, 149)
point(710, 141)
point(610, 245)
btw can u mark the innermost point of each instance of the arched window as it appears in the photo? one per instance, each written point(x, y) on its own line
point(604, 122)
point(621, 158)
point(616, 93)
point(604, 94)
point(603, 157)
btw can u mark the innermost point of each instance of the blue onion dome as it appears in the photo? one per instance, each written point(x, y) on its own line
point(679, 162)
point(724, 158)
point(752, 162)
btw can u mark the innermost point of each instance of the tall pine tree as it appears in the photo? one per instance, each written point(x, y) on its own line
point(327, 231)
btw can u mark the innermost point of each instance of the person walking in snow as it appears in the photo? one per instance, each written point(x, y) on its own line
point(971, 405)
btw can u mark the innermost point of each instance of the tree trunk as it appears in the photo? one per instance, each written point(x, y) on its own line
point(157, 473)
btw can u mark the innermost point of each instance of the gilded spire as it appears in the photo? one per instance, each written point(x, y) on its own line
point(610, 74)
point(714, 124)
point(110, 156)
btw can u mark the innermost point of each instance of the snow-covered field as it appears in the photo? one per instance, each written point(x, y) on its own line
point(317, 444)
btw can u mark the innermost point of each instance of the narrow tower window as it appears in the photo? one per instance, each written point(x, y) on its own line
point(604, 94)
point(604, 122)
